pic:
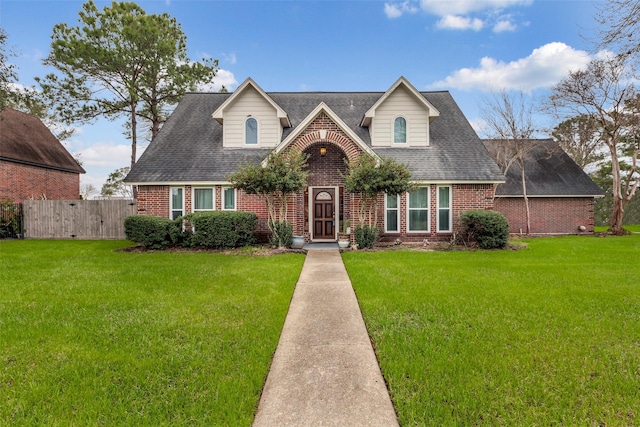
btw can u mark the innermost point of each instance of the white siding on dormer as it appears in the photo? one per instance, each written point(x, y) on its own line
point(251, 103)
point(400, 103)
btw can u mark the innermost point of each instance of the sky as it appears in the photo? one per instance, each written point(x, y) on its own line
point(472, 48)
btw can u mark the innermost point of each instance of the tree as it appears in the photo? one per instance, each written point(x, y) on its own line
point(8, 75)
point(605, 91)
point(87, 190)
point(114, 185)
point(510, 125)
point(120, 62)
point(620, 20)
point(281, 175)
point(581, 138)
point(368, 178)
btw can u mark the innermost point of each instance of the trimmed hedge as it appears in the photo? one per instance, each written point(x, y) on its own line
point(150, 231)
point(219, 229)
point(215, 230)
point(487, 229)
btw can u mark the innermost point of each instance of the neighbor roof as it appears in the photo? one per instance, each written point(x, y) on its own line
point(25, 139)
point(189, 146)
point(549, 172)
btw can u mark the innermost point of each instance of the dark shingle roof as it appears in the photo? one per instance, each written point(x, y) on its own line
point(189, 146)
point(549, 171)
point(25, 139)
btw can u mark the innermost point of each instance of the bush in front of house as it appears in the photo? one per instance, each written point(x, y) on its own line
point(150, 231)
point(216, 229)
point(281, 234)
point(366, 235)
point(487, 229)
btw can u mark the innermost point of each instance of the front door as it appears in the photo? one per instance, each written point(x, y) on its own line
point(324, 214)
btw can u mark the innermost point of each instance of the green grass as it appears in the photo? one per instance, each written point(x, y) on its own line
point(91, 336)
point(634, 228)
point(548, 335)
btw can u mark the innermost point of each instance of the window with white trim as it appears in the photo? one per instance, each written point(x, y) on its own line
point(444, 209)
point(251, 131)
point(177, 202)
point(399, 130)
point(228, 199)
point(418, 210)
point(392, 213)
point(203, 199)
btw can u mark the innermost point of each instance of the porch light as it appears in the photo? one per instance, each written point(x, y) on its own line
point(323, 151)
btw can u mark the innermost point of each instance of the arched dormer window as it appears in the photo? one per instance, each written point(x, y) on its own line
point(251, 131)
point(399, 130)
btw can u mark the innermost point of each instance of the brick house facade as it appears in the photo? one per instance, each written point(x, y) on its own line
point(561, 196)
point(33, 163)
point(209, 136)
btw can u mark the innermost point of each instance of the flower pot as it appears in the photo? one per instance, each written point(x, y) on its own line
point(298, 242)
point(343, 244)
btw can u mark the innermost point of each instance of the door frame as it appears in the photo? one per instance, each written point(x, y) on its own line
point(336, 213)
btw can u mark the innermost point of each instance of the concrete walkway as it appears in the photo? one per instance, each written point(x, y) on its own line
point(324, 371)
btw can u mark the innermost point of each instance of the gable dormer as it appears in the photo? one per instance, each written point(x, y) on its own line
point(400, 118)
point(250, 118)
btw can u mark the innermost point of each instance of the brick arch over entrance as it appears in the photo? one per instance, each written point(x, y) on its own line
point(323, 130)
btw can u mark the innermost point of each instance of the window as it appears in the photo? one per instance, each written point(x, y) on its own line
point(251, 131)
point(399, 130)
point(418, 210)
point(203, 199)
point(177, 202)
point(444, 209)
point(228, 199)
point(392, 217)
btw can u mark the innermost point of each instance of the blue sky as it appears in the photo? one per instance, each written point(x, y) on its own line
point(469, 47)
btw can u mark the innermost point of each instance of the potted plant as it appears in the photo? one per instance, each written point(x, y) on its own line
point(344, 239)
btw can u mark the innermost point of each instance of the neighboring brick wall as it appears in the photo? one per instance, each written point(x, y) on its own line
point(20, 182)
point(559, 215)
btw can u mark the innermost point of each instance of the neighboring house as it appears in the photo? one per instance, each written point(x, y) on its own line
point(561, 195)
point(210, 135)
point(33, 163)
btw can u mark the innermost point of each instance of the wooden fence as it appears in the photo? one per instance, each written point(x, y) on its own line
point(76, 219)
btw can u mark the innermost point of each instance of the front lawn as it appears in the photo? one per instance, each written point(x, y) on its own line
point(547, 335)
point(91, 336)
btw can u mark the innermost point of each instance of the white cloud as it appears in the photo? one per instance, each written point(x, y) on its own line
point(464, 7)
point(229, 58)
point(223, 78)
point(459, 15)
point(396, 10)
point(107, 155)
point(504, 25)
point(454, 22)
point(545, 67)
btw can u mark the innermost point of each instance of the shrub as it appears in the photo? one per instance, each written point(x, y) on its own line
point(150, 231)
point(10, 219)
point(366, 235)
point(216, 230)
point(487, 229)
point(281, 234)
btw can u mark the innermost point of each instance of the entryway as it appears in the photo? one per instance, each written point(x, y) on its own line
point(323, 221)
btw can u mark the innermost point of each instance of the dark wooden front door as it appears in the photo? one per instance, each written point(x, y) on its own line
point(324, 213)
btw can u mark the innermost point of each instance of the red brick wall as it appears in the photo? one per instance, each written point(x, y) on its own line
point(560, 215)
point(464, 197)
point(153, 200)
point(20, 182)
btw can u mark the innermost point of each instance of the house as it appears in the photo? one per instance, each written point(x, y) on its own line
point(210, 135)
point(561, 195)
point(33, 163)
